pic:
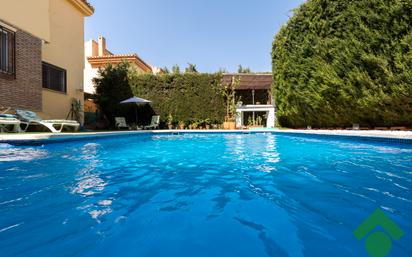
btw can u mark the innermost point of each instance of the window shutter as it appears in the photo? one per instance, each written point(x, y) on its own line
point(54, 77)
point(2, 50)
point(7, 52)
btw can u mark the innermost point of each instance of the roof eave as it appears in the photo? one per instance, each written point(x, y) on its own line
point(103, 60)
point(83, 7)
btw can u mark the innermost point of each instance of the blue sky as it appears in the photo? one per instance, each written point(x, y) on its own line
point(212, 34)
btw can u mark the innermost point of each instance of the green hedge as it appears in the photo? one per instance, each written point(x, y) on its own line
point(341, 62)
point(187, 97)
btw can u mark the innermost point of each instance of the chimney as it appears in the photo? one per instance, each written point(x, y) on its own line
point(102, 45)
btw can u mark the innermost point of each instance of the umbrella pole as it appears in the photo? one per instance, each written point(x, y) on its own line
point(135, 112)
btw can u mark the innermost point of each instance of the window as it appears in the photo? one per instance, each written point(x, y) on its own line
point(54, 78)
point(7, 52)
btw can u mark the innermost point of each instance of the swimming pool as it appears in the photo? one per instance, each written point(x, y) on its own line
point(201, 195)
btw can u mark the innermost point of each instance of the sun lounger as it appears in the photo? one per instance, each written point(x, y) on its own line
point(9, 123)
point(30, 119)
point(154, 124)
point(121, 123)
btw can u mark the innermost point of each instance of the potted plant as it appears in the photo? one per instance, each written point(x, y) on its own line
point(257, 123)
point(195, 125)
point(170, 121)
point(181, 124)
point(207, 123)
point(76, 110)
point(229, 94)
point(200, 124)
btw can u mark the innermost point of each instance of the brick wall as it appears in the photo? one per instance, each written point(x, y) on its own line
point(25, 91)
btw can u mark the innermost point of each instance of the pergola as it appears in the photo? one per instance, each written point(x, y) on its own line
point(255, 90)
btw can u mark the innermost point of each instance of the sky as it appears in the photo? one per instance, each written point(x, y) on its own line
point(212, 34)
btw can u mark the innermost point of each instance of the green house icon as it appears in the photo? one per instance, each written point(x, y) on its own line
point(378, 243)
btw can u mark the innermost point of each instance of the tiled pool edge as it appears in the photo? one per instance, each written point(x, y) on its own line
point(366, 138)
point(48, 138)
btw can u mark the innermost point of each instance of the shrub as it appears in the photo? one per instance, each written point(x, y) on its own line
point(186, 97)
point(341, 62)
point(112, 87)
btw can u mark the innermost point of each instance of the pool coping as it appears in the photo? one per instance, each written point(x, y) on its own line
point(44, 138)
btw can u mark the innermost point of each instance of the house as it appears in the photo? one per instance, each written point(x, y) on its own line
point(42, 54)
point(98, 56)
point(254, 94)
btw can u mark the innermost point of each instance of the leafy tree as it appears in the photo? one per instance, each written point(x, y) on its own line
point(228, 92)
point(341, 62)
point(222, 70)
point(176, 69)
point(112, 87)
point(242, 69)
point(166, 70)
point(191, 68)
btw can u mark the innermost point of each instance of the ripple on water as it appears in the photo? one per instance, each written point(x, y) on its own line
point(13, 154)
point(89, 185)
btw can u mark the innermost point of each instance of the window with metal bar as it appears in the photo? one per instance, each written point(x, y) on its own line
point(54, 77)
point(7, 51)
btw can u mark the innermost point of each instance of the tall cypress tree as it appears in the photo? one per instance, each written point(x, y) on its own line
point(338, 62)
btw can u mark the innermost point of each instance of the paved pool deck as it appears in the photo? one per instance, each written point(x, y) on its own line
point(30, 138)
point(353, 133)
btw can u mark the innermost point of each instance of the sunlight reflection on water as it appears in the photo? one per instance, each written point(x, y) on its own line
point(9, 153)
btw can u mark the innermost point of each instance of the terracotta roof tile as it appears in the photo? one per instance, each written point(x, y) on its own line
point(144, 65)
point(113, 56)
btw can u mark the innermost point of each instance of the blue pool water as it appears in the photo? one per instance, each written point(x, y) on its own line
point(193, 195)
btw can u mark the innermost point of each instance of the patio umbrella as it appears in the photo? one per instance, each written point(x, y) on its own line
point(137, 101)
